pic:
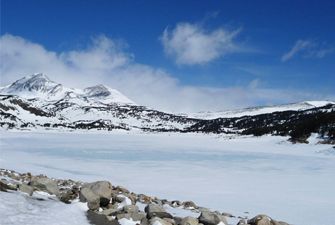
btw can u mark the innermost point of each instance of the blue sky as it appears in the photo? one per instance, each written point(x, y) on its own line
point(269, 46)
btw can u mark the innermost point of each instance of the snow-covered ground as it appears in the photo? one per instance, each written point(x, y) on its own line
point(294, 183)
point(21, 209)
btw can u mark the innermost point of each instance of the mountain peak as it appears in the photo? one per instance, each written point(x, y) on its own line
point(33, 85)
point(39, 85)
point(97, 91)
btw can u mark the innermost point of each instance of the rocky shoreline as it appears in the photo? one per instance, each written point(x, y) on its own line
point(115, 205)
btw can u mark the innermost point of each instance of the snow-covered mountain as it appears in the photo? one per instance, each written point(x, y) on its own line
point(36, 102)
point(40, 87)
point(253, 111)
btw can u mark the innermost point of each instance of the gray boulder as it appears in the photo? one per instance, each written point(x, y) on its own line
point(101, 219)
point(96, 194)
point(3, 186)
point(68, 196)
point(155, 220)
point(154, 210)
point(130, 208)
point(144, 221)
point(135, 216)
point(45, 184)
point(189, 221)
point(101, 188)
point(111, 211)
point(210, 218)
point(26, 189)
point(92, 199)
point(264, 220)
point(190, 205)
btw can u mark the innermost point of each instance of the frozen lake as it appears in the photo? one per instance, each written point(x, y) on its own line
point(294, 183)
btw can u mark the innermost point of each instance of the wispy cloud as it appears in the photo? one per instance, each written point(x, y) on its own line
point(307, 49)
point(106, 61)
point(192, 44)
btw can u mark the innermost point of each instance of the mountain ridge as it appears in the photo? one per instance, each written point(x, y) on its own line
point(102, 108)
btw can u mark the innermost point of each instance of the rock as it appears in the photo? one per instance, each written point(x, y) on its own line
point(118, 199)
point(135, 216)
point(132, 197)
point(3, 186)
point(144, 221)
point(100, 219)
point(68, 196)
point(189, 205)
point(121, 190)
point(175, 203)
point(26, 189)
point(169, 220)
point(144, 198)
point(242, 222)
point(158, 221)
point(130, 209)
point(154, 210)
point(264, 220)
point(177, 220)
point(45, 184)
point(111, 211)
point(189, 221)
point(96, 194)
point(102, 188)
point(92, 199)
point(210, 218)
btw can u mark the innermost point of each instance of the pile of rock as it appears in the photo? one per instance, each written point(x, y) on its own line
point(115, 205)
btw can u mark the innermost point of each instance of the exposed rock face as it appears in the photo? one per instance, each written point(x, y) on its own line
point(154, 210)
point(210, 218)
point(45, 184)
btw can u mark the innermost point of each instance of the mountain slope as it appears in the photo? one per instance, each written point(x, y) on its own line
point(260, 110)
point(36, 102)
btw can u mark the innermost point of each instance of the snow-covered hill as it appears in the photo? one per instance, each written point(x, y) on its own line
point(260, 110)
point(36, 102)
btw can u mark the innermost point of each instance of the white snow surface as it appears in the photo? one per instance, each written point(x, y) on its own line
point(264, 175)
point(18, 208)
point(125, 221)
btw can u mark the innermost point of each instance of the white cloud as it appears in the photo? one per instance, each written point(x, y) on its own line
point(191, 44)
point(106, 61)
point(308, 49)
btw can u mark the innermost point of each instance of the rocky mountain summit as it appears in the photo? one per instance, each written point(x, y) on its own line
point(115, 205)
point(36, 102)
